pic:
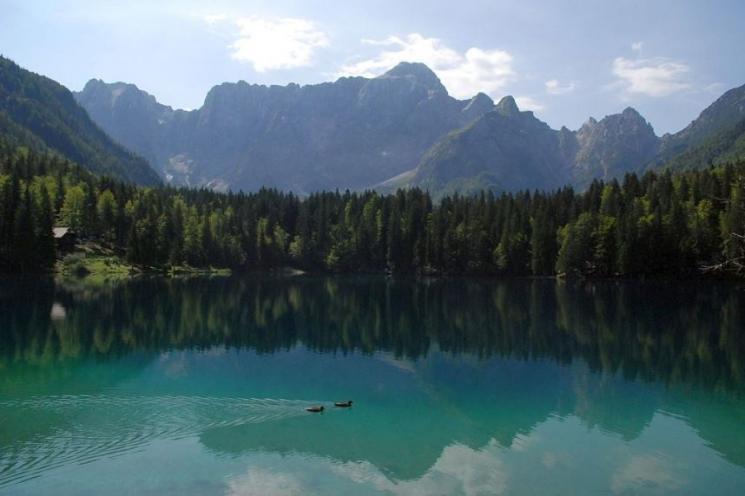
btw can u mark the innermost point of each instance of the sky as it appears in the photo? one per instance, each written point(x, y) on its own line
point(565, 60)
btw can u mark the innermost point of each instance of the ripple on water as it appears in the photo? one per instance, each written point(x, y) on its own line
point(97, 426)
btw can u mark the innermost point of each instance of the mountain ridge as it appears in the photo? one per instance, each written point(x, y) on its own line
point(351, 133)
point(606, 149)
point(39, 113)
point(509, 149)
point(386, 132)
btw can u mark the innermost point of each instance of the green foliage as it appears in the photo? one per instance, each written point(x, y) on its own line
point(733, 227)
point(73, 208)
point(656, 224)
point(577, 240)
point(722, 146)
point(106, 208)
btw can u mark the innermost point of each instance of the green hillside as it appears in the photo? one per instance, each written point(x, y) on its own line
point(41, 114)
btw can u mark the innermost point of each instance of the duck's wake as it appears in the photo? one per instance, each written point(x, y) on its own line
point(83, 428)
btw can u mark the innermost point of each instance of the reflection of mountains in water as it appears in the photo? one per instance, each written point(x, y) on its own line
point(473, 404)
point(470, 403)
point(489, 363)
point(97, 426)
point(675, 332)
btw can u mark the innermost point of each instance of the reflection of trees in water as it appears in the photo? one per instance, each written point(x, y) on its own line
point(646, 331)
point(650, 331)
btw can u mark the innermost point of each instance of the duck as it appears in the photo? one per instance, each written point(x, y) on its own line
point(343, 404)
point(315, 409)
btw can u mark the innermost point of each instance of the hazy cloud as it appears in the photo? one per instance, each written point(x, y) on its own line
point(260, 482)
point(528, 103)
point(554, 87)
point(458, 470)
point(214, 18)
point(270, 44)
point(648, 473)
point(637, 46)
point(651, 77)
point(714, 88)
point(463, 73)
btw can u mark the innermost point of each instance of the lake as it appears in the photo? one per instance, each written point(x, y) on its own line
point(460, 386)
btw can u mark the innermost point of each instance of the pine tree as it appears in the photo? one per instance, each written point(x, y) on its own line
point(74, 209)
point(106, 212)
point(733, 227)
point(393, 258)
point(45, 250)
point(24, 239)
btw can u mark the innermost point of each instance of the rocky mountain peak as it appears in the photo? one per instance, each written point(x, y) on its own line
point(356, 132)
point(507, 106)
point(478, 105)
point(616, 144)
point(631, 113)
point(416, 72)
point(112, 94)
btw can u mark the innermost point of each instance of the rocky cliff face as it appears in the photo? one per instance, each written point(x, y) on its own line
point(132, 116)
point(617, 144)
point(400, 129)
point(352, 133)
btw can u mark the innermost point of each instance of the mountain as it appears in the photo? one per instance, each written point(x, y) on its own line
point(401, 129)
point(716, 135)
point(352, 133)
point(507, 149)
point(41, 114)
point(722, 115)
point(118, 106)
point(723, 146)
point(397, 130)
point(619, 143)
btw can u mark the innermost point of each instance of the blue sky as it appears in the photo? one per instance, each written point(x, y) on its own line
point(566, 60)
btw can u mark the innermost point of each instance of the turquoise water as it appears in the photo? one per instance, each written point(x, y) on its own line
point(460, 386)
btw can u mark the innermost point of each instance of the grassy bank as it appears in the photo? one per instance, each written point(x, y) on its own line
point(95, 263)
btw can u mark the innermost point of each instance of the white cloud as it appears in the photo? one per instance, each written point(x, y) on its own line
point(648, 473)
point(652, 77)
point(260, 482)
point(412, 48)
point(213, 19)
point(528, 103)
point(463, 74)
point(714, 88)
point(637, 46)
point(458, 470)
point(270, 44)
point(554, 87)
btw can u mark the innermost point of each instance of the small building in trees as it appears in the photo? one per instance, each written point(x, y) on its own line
point(64, 238)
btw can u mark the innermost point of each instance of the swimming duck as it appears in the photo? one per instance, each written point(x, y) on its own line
point(343, 404)
point(314, 409)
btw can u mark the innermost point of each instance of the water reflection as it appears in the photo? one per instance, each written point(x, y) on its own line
point(462, 384)
point(651, 331)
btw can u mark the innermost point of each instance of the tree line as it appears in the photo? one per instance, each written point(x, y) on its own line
point(658, 223)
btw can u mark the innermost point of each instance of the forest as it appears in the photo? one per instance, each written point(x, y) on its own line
point(660, 223)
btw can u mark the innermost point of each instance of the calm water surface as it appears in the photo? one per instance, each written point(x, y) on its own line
point(460, 386)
